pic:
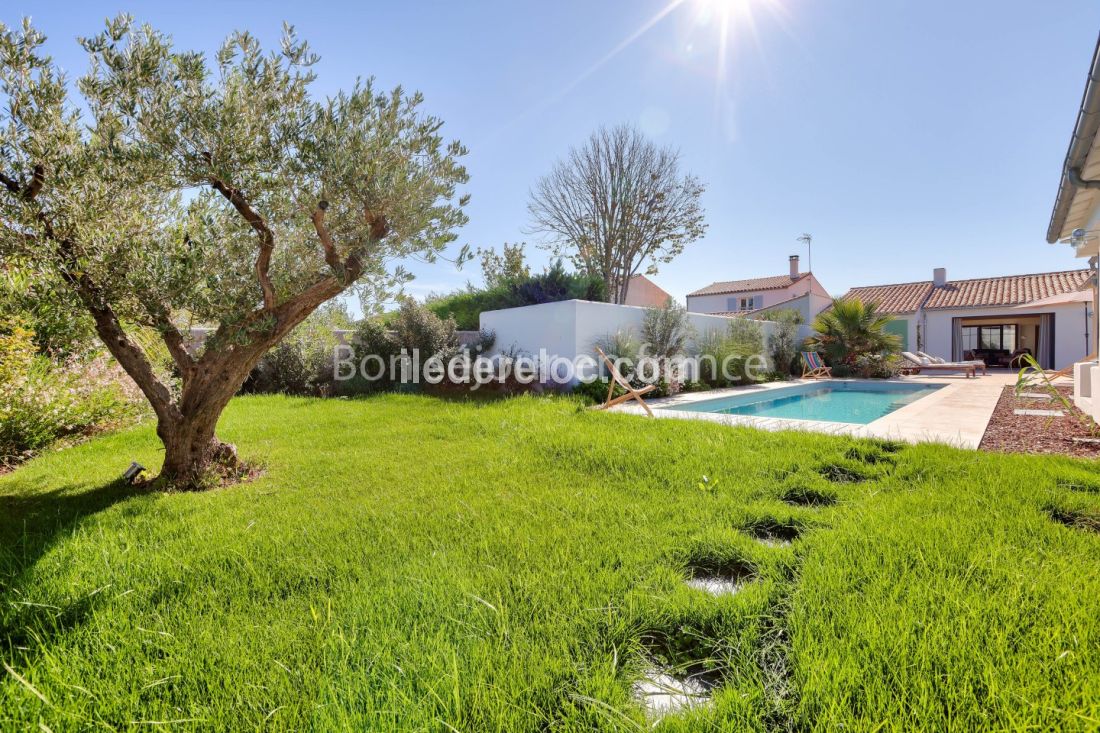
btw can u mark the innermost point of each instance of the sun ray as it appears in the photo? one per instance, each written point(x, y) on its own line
point(720, 76)
point(600, 63)
point(622, 45)
point(732, 18)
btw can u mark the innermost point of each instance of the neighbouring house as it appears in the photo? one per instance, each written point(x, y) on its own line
point(644, 292)
point(1048, 315)
point(755, 297)
point(1075, 221)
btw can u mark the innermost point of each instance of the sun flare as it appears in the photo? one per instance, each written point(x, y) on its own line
point(706, 32)
point(723, 8)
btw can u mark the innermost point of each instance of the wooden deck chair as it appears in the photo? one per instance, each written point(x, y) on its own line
point(813, 367)
point(631, 393)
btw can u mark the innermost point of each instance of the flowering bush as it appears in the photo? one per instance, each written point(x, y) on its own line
point(42, 400)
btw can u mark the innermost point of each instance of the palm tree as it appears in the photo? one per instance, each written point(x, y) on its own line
point(851, 328)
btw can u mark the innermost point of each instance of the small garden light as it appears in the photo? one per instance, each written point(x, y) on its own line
point(131, 474)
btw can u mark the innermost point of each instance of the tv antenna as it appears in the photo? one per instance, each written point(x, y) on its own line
point(808, 240)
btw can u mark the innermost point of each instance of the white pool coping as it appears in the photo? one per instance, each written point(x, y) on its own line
point(957, 414)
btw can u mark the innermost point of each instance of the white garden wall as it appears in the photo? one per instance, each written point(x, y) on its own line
point(571, 328)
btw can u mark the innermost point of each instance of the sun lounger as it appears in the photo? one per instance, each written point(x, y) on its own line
point(631, 392)
point(978, 363)
point(813, 367)
point(927, 365)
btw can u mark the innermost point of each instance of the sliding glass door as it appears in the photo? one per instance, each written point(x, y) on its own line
point(997, 343)
point(1001, 337)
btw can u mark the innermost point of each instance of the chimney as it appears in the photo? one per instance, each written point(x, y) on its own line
point(794, 266)
point(939, 277)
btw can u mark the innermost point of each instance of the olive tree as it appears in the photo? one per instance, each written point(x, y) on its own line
point(166, 188)
point(617, 203)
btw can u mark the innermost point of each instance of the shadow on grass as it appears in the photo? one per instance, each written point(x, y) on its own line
point(32, 522)
point(1075, 518)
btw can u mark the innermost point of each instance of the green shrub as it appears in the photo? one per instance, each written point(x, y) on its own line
point(486, 340)
point(595, 392)
point(713, 350)
point(747, 336)
point(281, 370)
point(42, 400)
point(504, 267)
point(552, 285)
point(877, 366)
point(302, 363)
point(665, 333)
point(783, 341)
point(465, 307)
point(619, 345)
point(415, 328)
point(625, 350)
point(723, 357)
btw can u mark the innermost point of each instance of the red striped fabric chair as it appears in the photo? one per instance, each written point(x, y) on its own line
point(813, 367)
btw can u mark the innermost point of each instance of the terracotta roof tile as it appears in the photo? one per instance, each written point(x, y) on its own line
point(775, 282)
point(982, 292)
point(899, 298)
point(1010, 290)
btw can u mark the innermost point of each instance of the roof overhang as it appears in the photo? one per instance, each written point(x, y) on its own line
point(1076, 205)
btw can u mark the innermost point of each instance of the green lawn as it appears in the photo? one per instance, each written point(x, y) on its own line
point(407, 563)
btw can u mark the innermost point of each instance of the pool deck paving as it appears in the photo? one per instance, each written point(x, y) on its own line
point(956, 415)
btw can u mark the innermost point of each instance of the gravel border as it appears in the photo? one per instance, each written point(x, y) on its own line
point(1008, 432)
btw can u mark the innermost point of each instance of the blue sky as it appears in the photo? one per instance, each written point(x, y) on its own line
point(904, 135)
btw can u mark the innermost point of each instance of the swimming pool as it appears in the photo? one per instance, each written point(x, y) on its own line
point(847, 402)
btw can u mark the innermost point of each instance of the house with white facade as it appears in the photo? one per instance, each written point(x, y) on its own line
point(795, 290)
point(1075, 220)
point(996, 319)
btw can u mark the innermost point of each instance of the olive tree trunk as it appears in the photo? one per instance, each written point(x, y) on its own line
point(192, 453)
point(194, 458)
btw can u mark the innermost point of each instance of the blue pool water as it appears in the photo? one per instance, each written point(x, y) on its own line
point(847, 402)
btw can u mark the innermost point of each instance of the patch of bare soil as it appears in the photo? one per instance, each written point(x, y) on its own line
point(1008, 432)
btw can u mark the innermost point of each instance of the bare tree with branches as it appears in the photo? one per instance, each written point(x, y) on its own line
point(617, 203)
